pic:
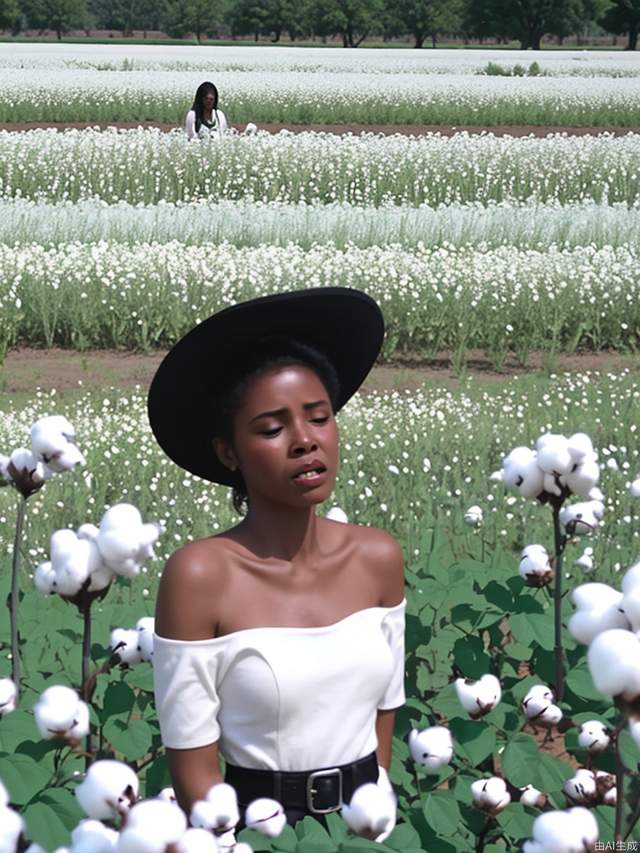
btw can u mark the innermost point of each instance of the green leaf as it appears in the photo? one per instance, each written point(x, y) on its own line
point(22, 776)
point(442, 812)
point(15, 728)
point(141, 677)
point(579, 681)
point(310, 826)
point(133, 739)
point(403, 837)
point(516, 821)
point(337, 827)
point(551, 774)
point(118, 698)
point(629, 751)
point(520, 760)
point(315, 844)
point(474, 739)
point(255, 840)
point(45, 826)
point(470, 656)
point(287, 840)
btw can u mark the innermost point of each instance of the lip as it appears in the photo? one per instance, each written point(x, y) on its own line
point(311, 480)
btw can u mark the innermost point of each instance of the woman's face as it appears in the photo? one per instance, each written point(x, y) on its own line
point(286, 423)
point(208, 100)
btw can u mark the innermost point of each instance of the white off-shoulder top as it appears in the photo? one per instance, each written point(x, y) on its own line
point(283, 698)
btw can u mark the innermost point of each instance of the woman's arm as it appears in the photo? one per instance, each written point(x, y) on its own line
point(222, 122)
point(190, 125)
point(184, 612)
point(384, 732)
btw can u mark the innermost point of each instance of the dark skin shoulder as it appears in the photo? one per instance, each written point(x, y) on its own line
point(384, 556)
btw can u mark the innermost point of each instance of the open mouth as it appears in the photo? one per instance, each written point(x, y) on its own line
point(310, 474)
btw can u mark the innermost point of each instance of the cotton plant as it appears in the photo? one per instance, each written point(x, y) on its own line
point(591, 788)
point(53, 451)
point(478, 697)
point(473, 516)
point(431, 748)
point(594, 736)
point(218, 811)
point(108, 791)
point(557, 468)
point(266, 816)
point(371, 812)
point(585, 560)
point(84, 563)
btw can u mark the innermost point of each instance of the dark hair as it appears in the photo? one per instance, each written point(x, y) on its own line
point(202, 90)
point(272, 352)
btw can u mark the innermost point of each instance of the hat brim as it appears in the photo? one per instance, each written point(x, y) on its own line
point(344, 324)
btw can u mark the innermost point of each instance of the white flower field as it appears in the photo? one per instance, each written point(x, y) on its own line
point(517, 503)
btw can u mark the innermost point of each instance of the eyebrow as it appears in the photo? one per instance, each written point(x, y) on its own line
point(282, 411)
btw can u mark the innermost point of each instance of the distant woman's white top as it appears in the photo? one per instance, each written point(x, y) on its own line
point(283, 698)
point(219, 127)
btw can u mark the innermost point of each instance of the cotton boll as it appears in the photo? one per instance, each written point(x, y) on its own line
point(473, 516)
point(631, 578)
point(583, 478)
point(204, 815)
point(156, 822)
point(585, 560)
point(65, 460)
point(554, 456)
point(266, 816)
point(432, 748)
point(581, 789)
point(535, 567)
point(44, 578)
point(121, 515)
point(225, 800)
point(549, 717)
point(580, 447)
point(5, 476)
point(594, 736)
point(168, 795)
point(634, 488)
point(24, 460)
point(614, 663)
point(88, 531)
point(370, 812)
point(4, 796)
point(337, 514)
point(73, 570)
point(537, 700)
point(109, 789)
point(227, 841)
point(581, 519)
point(56, 711)
point(520, 470)
point(634, 731)
point(572, 831)
point(490, 795)
point(8, 696)
point(596, 495)
point(117, 546)
point(478, 697)
point(630, 606)
point(598, 609)
point(250, 129)
point(51, 433)
point(80, 728)
point(197, 841)
point(100, 578)
point(91, 836)
point(532, 797)
point(11, 828)
point(606, 785)
point(124, 645)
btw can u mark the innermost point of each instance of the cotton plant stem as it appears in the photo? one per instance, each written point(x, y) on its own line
point(620, 771)
point(417, 778)
point(86, 663)
point(13, 607)
point(558, 651)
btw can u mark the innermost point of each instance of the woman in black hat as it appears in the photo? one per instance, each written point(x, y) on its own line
point(279, 643)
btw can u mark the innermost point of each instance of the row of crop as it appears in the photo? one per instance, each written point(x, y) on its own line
point(146, 166)
point(407, 459)
point(502, 301)
point(336, 98)
point(260, 58)
point(525, 225)
point(462, 590)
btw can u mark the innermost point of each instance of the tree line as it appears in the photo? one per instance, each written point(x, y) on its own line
point(425, 21)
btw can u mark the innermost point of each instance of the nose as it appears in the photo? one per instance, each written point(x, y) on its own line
point(302, 441)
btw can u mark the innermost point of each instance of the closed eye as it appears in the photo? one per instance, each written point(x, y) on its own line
point(271, 433)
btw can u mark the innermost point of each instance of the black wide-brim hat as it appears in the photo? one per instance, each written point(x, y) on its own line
point(346, 325)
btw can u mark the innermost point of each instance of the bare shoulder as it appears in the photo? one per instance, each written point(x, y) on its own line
point(383, 554)
point(193, 579)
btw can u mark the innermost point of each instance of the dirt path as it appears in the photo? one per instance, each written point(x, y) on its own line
point(26, 369)
point(405, 129)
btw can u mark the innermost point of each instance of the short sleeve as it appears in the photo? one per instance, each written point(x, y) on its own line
point(187, 703)
point(222, 120)
point(393, 627)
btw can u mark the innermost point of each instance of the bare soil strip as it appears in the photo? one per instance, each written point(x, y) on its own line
point(26, 369)
point(404, 129)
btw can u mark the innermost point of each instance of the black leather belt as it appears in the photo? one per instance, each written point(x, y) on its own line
point(318, 791)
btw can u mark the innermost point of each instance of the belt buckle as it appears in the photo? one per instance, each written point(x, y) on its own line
point(333, 771)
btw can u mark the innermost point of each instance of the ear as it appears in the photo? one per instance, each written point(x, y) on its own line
point(225, 454)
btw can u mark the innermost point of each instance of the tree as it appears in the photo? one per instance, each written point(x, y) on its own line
point(175, 19)
point(430, 18)
point(623, 17)
point(285, 16)
point(352, 19)
point(203, 16)
point(530, 20)
point(247, 17)
point(125, 15)
point(9, 14)
point(58, 15)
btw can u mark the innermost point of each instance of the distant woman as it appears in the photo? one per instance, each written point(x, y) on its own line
point(204, 119)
